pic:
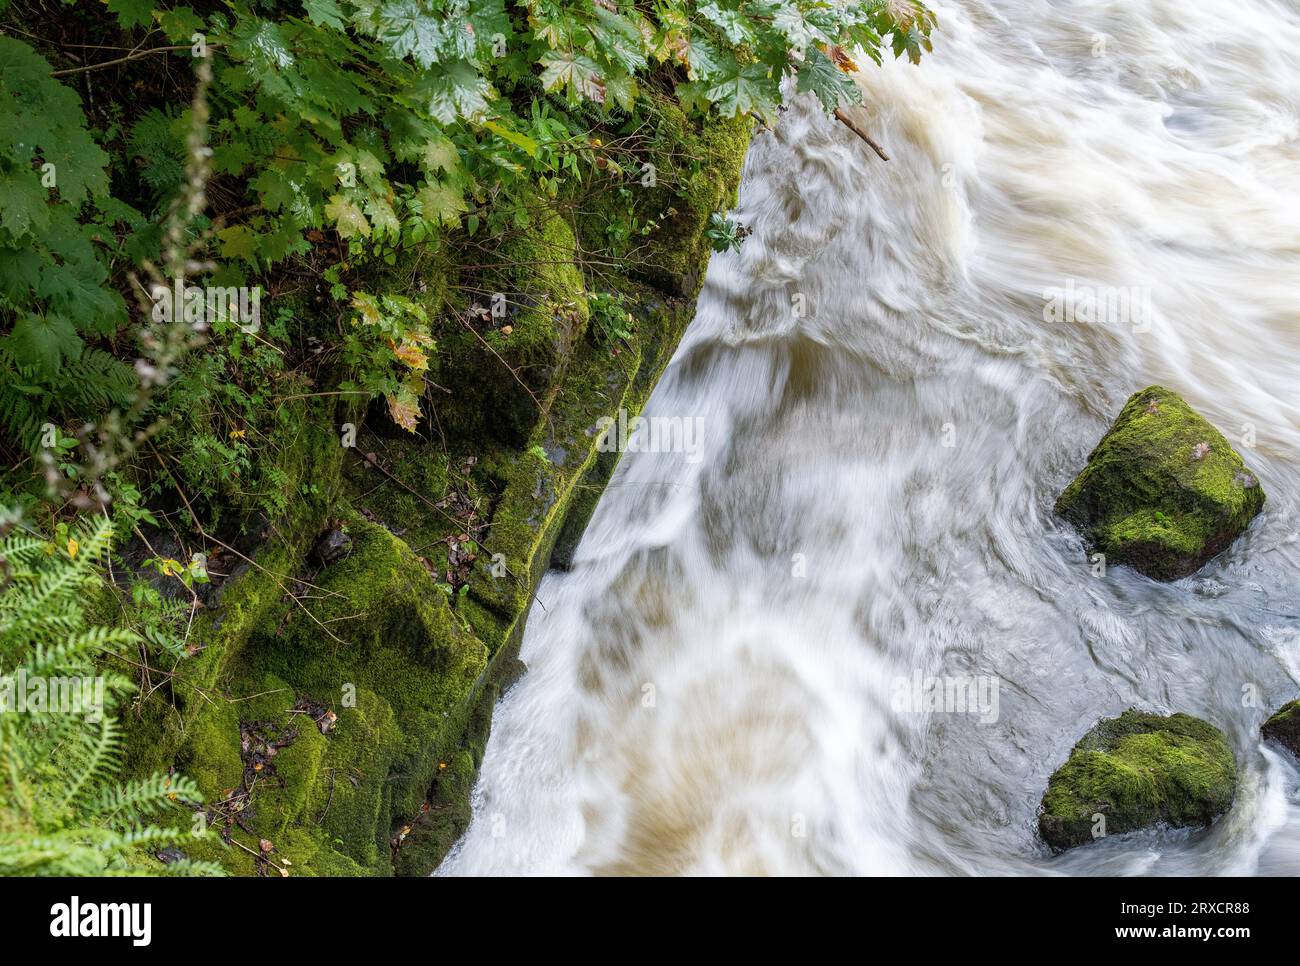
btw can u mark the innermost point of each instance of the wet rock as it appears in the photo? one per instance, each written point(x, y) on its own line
point(332, 547)
point(1136, 771)
point(1284, 727)
point(1163, 491)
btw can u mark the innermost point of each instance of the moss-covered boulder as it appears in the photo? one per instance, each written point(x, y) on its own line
point(1284, 727)
point(1136, 771)
point(1163, 491)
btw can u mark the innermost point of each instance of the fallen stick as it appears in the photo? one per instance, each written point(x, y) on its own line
point(844, 119)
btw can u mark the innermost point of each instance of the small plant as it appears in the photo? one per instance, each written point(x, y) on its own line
point(610, 319)
point(724, 234)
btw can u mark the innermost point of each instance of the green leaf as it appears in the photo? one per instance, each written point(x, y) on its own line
point(735, 27)
point(749, 89)
point(440, 155)
point(238, 241)
point(180, 24)
point(43, 341)
point(520, 140)
point(620, 42)
point(819, 74)
point(440, 203)
point(577, 74)
point(454, 91)
point(348, 219)
point(132, 13)
point(23, 203)
point(411, 32)
point(325, 13)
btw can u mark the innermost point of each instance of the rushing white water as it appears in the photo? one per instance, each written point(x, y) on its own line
point(889, 415)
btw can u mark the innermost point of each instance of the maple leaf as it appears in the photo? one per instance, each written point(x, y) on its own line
point(238, 241)
point(409, 31)
point(22, 203)
point(403, 413)
point(454, 90)
point(439, 154)
point(441, 203)
point(749, 89)
point(349, 221)
point(412, 356)
point(841, 59)
point(579, 75)
point(326, 13)
point(366, 307)
point(819, 74)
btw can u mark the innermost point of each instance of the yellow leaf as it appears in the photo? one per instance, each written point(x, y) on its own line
point(412, 356)
point(404, 414)
point(73, 547)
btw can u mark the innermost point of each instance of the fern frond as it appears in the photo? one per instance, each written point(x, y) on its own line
point(146, 796)
point(103, 753)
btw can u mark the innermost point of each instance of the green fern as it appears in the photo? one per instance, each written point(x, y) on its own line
point(61, 812)
point(160, 148)
point(82, 390)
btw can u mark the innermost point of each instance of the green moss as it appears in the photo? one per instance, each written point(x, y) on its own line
point(697, 171)
point(348, 802)
point(373, 636)
point(400, 672)
point(1163, 491)
point(213, 758)
point(1284, 727)
point(1136, 771)
point(500, 372)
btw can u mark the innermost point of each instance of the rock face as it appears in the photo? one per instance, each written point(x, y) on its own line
point(1284, 727)
point(1163, 491)
point(1136, 771)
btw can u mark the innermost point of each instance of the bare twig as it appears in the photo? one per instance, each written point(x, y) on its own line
point(843, 118)
point(134, 55)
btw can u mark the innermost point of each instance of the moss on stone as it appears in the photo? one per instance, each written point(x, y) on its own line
point(500, 372)
point(697, 172)
point(212, 759)
point(1163, 491)
point(1136, 771)
point(404, 660)
point(413, 675)
point(1284, 727)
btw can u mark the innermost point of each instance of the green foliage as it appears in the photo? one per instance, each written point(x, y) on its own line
point(341, 134)
point(724, 234)
point(60, 811)
point(610, 319)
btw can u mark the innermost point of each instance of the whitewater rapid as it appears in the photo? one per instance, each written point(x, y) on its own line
point(889, 411)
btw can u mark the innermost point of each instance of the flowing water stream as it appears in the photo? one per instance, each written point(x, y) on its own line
point(892, 397)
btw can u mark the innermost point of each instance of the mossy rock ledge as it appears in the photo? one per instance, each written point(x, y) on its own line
point(1163, 491)
point(1137, 771)
point(1284, 727)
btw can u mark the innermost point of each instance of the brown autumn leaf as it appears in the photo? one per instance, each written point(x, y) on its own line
point(841, 59)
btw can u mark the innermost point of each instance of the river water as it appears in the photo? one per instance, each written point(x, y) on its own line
point(894, 388)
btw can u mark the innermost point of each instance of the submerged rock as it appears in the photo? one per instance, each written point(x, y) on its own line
point(1163, 491)
point(1136, 771)
point(1284, 727)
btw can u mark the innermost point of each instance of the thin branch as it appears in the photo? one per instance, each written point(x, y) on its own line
point(136, 55)
point(844, 119)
